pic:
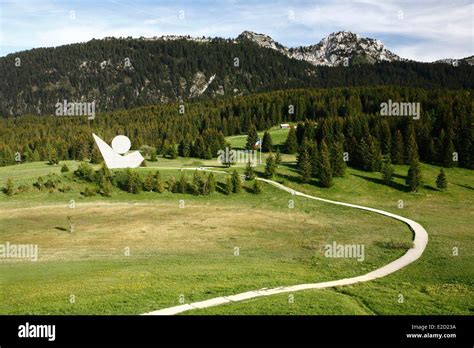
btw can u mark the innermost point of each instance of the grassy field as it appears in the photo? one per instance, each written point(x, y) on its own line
point(131, 254)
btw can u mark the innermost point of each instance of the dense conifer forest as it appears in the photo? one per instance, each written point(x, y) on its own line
point(338, 120)
point(125, 73)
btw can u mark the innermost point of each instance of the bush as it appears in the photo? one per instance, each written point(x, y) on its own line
point(9, 189)
point(256, 187)
point(85, 172)
point(64, 168)
point(88, 192)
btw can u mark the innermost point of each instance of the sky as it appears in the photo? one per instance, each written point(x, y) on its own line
point(424, 30)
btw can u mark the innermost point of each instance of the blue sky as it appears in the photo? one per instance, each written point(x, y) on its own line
point(424, 30)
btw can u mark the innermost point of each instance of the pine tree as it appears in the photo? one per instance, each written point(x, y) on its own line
point(96, 158)
point(182, 184)
point(398, 148)
point(171, 151)
point(249, 172)
point(158, 183)
point(267, 144)
point(385, 138)
point(413, 179)
point(441, 181)
point(105, 187)
point(338, 165)
point(277, 158)
point(198, 185)
point(133, 182)
point(36, 156)
point(236, 183)
point(412, 148)
point(210, 184)
point(387, 171)
point(256, 187)
point(52, 156)
point(325, 172)
point(9, 188)
point(314, 158)
point(153, 157)
point(64, 168)
point(270, 166)
point(149, 182)
point(447, 153)
point(304, 165)
point(199, 149)
point(252, 137)
point(291, 143)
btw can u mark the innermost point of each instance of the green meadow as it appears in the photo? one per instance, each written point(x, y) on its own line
point(134, 253)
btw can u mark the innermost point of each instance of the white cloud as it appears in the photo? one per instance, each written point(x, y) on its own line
point(427, 30)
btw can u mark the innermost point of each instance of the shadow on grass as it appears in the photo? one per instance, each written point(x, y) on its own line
point(430, 188)
point(469, 187)
point(394, 185)
point(220, 187)
point(61, 229)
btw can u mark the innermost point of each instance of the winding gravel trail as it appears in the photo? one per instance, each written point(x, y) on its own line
point(420, 240)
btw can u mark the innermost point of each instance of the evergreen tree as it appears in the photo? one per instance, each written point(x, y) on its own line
point(210, 184)
point(304, 165)
point(387, 171)
point(133, 182)
point(256, 187)
point(249, 172)
point(198, 185)
point(184, 148)
point(270, 166)
point(52, 156)
point(64, 168)
point(182, 184)
point(96, 157)
point(291, 143)
point(199, 148)
point(9, 188)
point(277, 158)
point(338, 165)
point(36, 156)
point(236, 183)
point(149, 182)
point(398, 149)
point(314, 158)
point(158, 183)
point(441, 181)
point(267, 144)
point(448, 150)
point(171, 151)
point(105, 187)
point(385, 138)
point(412, 148)
point(413, 179)
point(153, 157)
point(252, 137)
point(325, 171)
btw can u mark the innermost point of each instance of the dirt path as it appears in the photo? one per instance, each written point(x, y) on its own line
point(420, 240)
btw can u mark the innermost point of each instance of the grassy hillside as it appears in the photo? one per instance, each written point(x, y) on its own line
point(189, 251)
